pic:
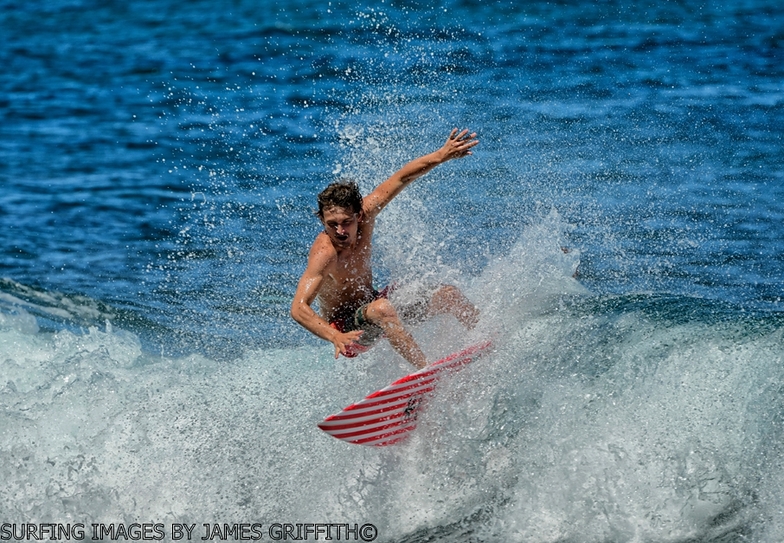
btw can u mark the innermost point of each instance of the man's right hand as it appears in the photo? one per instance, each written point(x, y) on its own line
point(343, 340)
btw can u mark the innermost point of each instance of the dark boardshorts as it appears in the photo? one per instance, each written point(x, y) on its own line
point(355, 320)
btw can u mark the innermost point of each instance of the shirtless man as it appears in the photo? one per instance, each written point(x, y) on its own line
point(338, 273)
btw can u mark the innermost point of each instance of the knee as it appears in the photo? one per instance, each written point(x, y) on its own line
point(449, 299)
point(447, 294)
point(380, 311)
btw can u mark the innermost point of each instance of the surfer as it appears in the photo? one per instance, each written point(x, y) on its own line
point(339, 275)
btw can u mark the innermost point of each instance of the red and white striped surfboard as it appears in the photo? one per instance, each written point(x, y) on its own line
point(388, 415)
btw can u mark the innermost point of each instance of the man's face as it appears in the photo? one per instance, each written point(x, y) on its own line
point(341, 225)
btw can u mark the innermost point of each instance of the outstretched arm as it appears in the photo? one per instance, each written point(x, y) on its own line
point(457, 145)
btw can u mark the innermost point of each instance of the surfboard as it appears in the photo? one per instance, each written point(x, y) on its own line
point(388, 415)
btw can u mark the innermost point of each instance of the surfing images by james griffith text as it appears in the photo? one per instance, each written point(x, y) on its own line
point(276, 531)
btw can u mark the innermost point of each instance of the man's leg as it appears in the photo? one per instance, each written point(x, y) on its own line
point(449, 300)
point(381, 313)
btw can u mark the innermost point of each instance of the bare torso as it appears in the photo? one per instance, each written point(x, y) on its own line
point(348, 279)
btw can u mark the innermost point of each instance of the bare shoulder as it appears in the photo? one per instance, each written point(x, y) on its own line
point(372, 204)
point(322, 254)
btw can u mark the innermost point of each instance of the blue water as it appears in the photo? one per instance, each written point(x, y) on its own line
point(159, 163)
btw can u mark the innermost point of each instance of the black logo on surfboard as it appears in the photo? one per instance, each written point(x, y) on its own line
point(410, 412)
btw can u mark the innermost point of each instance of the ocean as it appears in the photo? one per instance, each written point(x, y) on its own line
point(620, 226)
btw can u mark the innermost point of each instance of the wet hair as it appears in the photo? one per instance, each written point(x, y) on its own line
point(344, 193)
